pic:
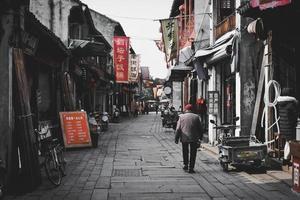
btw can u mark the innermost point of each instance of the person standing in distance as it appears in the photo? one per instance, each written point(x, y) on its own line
point(189, 131)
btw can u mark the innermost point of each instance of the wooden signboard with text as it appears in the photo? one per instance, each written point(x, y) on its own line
point(213, 102)
point(75, 129)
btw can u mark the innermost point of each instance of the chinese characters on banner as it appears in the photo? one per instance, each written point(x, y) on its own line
point(121, 58)
point(170, 37)
point(134, 67)
point(75, 129)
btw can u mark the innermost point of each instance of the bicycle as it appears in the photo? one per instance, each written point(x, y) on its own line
point(54, 162)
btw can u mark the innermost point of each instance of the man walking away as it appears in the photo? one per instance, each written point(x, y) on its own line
point(189, 130)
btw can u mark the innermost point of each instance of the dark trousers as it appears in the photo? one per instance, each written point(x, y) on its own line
point(192, 147)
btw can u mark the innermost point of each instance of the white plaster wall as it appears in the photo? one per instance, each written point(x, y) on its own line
point(238, 102)
point(237, 77)
point(212, 80)
point(212, 87)
point(56, 22)
point(104, 26)
point(202, 23)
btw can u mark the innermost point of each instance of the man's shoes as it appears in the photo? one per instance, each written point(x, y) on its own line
point(191, 171)
point(185, 168)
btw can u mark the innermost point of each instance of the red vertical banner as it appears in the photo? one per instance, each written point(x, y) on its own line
point(121, 58)
point(265, 4)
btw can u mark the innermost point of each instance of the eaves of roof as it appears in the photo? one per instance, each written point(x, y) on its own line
point(117, 26)
point(175, 7)
point(44, 30)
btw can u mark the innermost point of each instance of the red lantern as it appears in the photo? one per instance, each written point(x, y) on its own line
point(200, 101)
point(201, 105)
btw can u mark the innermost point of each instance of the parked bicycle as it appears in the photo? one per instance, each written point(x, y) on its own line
point(53, 153)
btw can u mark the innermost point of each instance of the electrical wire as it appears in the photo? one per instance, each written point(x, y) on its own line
point(132, 18)
point(269, 104)
point(152, 19)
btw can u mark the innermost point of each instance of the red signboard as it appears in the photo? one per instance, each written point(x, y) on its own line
point(75, 129)
point(265, 4)
point(121, 58)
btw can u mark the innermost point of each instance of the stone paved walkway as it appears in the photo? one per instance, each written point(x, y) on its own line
point(137, 159)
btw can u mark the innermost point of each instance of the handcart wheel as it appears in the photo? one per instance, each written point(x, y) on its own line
point(225, 166)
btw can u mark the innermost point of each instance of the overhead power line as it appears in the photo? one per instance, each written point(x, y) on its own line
point(152, 19)
point(132, 18)
point(131, 37)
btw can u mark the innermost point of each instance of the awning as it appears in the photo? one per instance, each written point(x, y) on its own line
point(220, 50)
point(221, 54)
point(202, 72)
point(38, 41)
point(221, 46)
point(179, 72)
point(186, 55)
point(85, 48)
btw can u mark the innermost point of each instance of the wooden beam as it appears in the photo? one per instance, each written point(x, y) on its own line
point(259, 93)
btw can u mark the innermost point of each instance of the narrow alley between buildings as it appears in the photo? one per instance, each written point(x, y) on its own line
point(138, 159)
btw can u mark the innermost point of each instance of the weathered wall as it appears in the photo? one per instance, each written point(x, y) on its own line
point(202, 23)
point(250, 60)
point(54, 15)
point(104, 25)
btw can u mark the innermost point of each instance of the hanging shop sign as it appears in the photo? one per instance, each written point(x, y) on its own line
point(75, 129)
point(176, 92)
point(145, 73)
point(167, 90)
point(265, 4)
point(134, 67)
point(213, 102)
point(121, 58)
point(170, 37)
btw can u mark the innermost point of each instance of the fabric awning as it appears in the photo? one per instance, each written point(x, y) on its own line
point(220, 50)
point(186, 55)
point(220, 46)
point(85, 48)
point(179, 72)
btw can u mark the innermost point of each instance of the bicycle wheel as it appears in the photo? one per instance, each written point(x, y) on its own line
point(52, 170)
point(61, 160)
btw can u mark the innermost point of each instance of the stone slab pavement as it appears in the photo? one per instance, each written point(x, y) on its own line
point(284, 176)
point(137, 159)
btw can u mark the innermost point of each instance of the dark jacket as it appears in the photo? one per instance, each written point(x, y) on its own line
point(189, 128)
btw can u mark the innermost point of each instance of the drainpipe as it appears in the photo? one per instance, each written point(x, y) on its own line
point(267, 69)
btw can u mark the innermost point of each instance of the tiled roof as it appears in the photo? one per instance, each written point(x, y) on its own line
point(33, 21)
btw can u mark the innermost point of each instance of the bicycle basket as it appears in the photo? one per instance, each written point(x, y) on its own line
point(44, 132)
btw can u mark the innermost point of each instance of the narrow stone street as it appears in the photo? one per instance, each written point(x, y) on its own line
point(138, 159)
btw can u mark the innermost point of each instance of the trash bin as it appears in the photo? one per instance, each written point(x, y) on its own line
point(295, 152)
point(94, 138)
